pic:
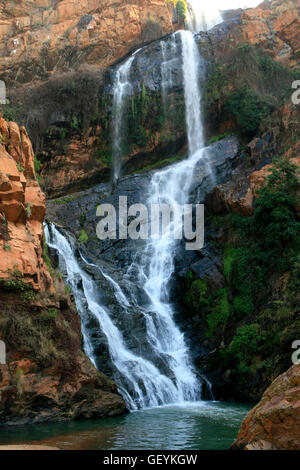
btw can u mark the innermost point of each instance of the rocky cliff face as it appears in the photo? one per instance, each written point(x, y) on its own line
point(46, 376)
point(22, 210)
point(274, 26)
point(68, 115)
point(274, 424)
point(46, 36)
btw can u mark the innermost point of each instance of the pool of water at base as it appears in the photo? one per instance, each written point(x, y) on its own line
point(192, 426)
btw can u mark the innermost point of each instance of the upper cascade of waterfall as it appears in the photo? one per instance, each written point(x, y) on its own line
point(121, 89)
point(201, 16)
point(191, 63)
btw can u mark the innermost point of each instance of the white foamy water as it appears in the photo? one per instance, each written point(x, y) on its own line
point(121, 89)
point(148, 386)
point(202, 16)
point(172, 186)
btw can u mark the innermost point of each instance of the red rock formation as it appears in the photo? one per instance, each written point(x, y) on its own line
point(274, 424)
point(46, 36)
point(22, 210)
point(273, 26)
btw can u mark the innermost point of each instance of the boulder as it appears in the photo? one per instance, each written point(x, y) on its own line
point(274, 424)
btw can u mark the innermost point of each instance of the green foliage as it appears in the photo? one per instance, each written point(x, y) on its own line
point(269, 241)
point(161, 163)
point(248, 86)
point(67, 289)
point(28, 211)
point(83, 238)
point(11, 113)
point(243, 353)
point(16, 284)
point(139, 136)
point(65, 200)
point(220, 314)
point(37, 165)
point(82, 219)
point(216, 88)
point(196, 296)
point(75, 126)
point(181, 8)
point(20, 168)
point(228, 260)
point(219, 137)
point(43, 336)
point(52, 313)
point(37, 169)
point(294, 281)
point(249, 109)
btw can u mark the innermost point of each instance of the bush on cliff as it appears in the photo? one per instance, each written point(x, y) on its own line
point(266, 255)
point(249, 109)
point(270, 240)
point(248, 86)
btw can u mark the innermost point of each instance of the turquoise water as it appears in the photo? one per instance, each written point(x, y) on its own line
point(195, 426)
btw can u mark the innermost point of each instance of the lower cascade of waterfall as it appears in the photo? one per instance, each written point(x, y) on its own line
point(161, 372)
point(140, 382)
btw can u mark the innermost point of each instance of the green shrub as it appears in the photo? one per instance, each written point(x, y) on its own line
point(228, 260)
point(20, 168)
point(249, 109)
point(83, 237)
point(181, 8)
point(245, 348)
point(196, 296)
point(269, 241)
point(52, 313)
point(220, 314)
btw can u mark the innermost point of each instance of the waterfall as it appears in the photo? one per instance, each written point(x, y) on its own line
point(147, 385)
point(156, 369)
point(155, 266)
point(191, 68)
point(121, 89)
point(202, 17)
point(169, 56)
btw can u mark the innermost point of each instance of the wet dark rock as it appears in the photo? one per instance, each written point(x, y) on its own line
point(206, 269)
